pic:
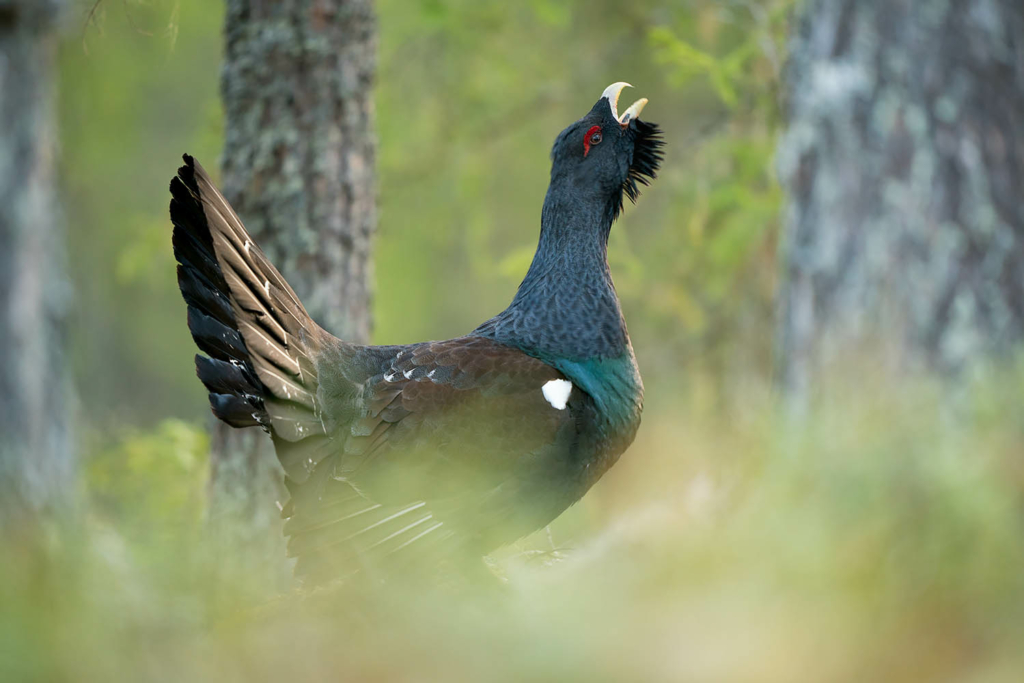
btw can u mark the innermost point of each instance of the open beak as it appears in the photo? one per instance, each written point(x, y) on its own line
point(611, 93)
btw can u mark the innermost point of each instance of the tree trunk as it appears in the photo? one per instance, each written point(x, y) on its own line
point(299, 168)
point(36, 454)
point(904, 164)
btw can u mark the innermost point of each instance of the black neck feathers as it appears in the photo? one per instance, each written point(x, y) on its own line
point(566, 306)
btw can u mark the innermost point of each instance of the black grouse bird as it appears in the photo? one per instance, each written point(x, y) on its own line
point(454, 447)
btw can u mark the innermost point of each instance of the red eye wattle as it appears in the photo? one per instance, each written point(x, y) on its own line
point(593, 137)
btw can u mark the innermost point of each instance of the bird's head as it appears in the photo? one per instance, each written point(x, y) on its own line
point(607, 154)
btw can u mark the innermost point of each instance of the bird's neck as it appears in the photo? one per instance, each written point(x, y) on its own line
point(566, 306)
point(573, 246)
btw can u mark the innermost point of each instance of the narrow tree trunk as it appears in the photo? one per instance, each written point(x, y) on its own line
point(298, 167)
point(36, 454)
point(904, 161)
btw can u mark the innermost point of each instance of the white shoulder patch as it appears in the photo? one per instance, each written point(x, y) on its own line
point(556, 392)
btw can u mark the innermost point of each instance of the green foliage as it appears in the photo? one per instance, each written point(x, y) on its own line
point(131, 101)
point(687, 61)
point(150, 480)
point(878, 540)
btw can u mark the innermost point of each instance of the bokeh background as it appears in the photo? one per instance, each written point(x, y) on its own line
point(880, 540)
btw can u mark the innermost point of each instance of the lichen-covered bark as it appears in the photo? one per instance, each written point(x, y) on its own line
point(36, 454)
point(298, 166)
point(904, 162)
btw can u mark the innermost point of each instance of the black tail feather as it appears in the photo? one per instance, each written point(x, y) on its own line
point(215, 339)
point(238, 411)
point(203, 295)
point(225, 377)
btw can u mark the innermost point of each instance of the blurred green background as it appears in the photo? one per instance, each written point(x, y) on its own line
point(881, 544)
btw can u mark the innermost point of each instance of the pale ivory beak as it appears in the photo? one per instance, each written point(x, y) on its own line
point(611, 93)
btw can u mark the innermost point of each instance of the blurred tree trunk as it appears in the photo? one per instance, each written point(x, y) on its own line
point(36, 455)
point(298, 166)
point(904, 164)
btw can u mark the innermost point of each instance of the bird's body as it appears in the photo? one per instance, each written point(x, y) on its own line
point(453, 447)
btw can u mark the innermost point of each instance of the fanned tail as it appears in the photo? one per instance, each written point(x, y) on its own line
point(260, 341)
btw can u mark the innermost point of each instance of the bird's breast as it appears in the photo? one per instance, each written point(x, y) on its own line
point(610, 423)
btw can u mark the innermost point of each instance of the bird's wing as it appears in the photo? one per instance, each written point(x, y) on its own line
point(449, 440)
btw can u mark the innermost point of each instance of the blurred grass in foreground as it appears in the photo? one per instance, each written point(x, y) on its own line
point(881, 540)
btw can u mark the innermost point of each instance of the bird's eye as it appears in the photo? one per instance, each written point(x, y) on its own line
point(593, 137)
